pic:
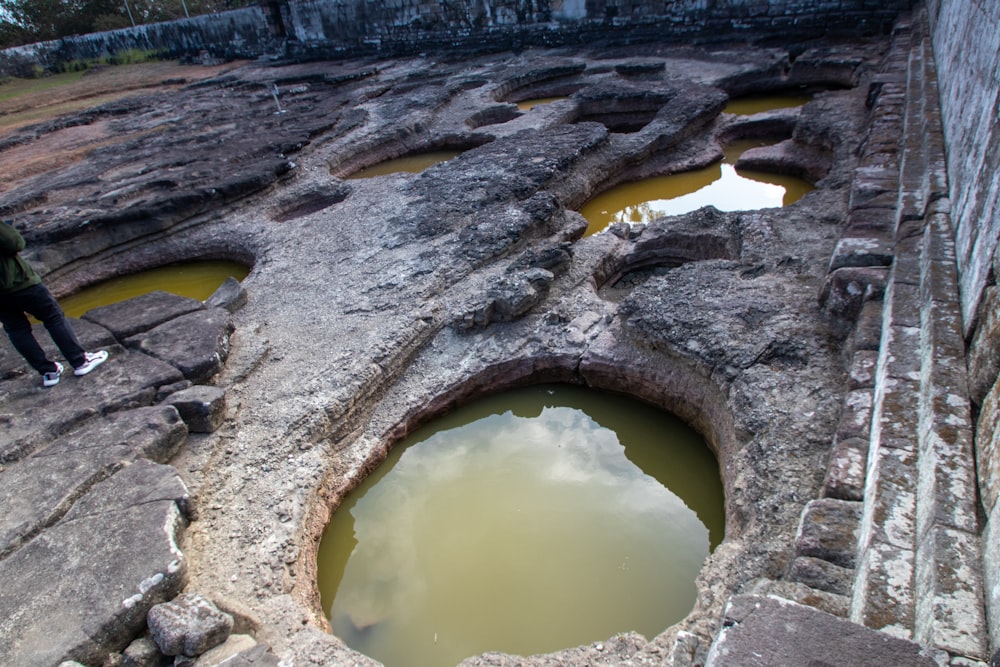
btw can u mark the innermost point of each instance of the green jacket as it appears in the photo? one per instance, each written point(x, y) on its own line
point(15, 273)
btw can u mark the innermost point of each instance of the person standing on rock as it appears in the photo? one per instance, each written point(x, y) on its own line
point(22, 291)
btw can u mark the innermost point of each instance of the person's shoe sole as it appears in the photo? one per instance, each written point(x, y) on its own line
point(93, 361)
point(52, 379)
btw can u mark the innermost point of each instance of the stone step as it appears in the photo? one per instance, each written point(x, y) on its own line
point(918, 568)
point(950, 589)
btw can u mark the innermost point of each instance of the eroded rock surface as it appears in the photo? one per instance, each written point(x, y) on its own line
point(375, 304)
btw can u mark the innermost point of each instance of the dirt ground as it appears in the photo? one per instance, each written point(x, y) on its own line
point(25, 102)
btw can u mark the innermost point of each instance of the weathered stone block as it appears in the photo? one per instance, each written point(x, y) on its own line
point(202, 407)
point(856, 415)
point(197, 344)
point(760, 631)
point(239, 650)
point(879, 222)
point(906, 267)
point(868, 330)
point(188, 625)
point(141, 313)
point(846, 290)
point(845, 472)
point(143, 652)
point(902, 305)
point(873, 186)
point(828, 529)
point(984, 350)
point(949, 589)
point(798, 592)
point(231, 296)
point(939, 242)
point(861, 251)
point(943, 352)
point(991, 570)
point(883, 590)
point(822, 575)
point(861, 375)
point(82, 588)
point(896, 414)
point(901, 353)
point(890, 498)
point(946, 487)
point(988, 450)
point(39, 489)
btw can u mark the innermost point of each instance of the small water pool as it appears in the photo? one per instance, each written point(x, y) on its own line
point(720, 185)
point(526, 522)
point(747, 106)
point(528, 105)
point(413, 164)
point(197, 280)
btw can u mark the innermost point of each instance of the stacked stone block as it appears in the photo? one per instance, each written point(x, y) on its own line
point(917, 570)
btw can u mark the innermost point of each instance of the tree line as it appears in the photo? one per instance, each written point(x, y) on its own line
point(30, 21)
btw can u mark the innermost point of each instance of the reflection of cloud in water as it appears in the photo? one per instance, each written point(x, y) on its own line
point(565, 469)
point(729, 192)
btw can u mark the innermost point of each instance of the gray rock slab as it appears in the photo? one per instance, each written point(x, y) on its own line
point(202, 407)
point(197, 344)
point(141, 313)
point(770, 632)
point(33, 415)
point(82, 588)
point(230, 295)
point(35, 492)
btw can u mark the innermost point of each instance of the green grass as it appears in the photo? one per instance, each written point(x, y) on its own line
point(11, 87)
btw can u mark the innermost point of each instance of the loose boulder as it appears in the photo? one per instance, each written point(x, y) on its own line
point(188, 625)
point(202, 407)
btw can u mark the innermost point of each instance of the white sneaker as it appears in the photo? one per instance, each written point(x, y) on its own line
point(52, 379)
point(91, 361)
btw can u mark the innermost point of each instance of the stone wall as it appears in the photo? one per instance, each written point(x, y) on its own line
point(338, 28)
point(332, 27)
point(241, 33)
point(967, 52)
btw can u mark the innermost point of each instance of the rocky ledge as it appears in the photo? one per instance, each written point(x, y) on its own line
point(206, 456)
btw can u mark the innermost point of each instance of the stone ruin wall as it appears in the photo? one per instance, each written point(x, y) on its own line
point(967, 54)
point(339, 28)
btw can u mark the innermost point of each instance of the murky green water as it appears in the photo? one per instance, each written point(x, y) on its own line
point(529, 521)
point(197, 280)
point(719, 185)
point(746, 106)
point(528, 105)
point(413, 164)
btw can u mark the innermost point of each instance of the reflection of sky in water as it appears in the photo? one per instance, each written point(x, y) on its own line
point(729, 192)
point(553, 505)
point(718, 185)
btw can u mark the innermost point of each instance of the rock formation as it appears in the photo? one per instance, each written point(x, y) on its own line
point(374, 305)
